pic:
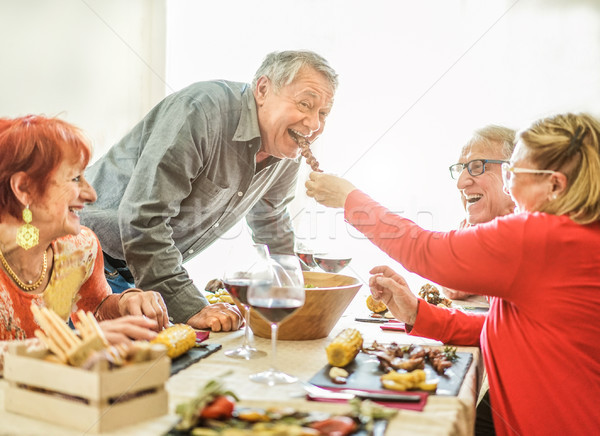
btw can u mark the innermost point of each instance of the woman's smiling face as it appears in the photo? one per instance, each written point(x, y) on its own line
point(529, 191)
point(56, 213)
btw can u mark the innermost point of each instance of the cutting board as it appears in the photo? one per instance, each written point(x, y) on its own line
point(365, 373)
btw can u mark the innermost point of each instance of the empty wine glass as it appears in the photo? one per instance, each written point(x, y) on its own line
point(246, 265)
point(275, 303)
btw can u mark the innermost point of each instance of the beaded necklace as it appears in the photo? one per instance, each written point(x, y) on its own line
point(25, 286)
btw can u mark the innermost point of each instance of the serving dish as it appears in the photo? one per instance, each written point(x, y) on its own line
point(325, 303)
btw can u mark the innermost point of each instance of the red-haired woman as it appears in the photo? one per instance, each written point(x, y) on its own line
point(46, 257)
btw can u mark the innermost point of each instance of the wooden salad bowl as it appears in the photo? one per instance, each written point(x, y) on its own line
point(325, 303)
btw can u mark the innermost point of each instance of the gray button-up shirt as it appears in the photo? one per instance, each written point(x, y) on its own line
point(180, 179)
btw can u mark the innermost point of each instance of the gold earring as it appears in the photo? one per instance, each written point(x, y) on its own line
point(28, 235)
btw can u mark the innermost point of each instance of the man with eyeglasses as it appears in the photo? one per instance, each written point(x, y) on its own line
point(478, 178)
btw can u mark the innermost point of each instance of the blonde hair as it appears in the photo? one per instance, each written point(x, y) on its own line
point(569, 143)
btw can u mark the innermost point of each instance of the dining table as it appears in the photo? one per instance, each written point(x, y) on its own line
point(442, 415)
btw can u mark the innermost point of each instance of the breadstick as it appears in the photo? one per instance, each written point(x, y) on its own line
point(52, 346)
point(83, 325)
point(55, 328)
point(95, 327)
point(62, 330)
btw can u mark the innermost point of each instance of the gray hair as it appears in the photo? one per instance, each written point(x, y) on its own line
point(282, 67)
point(492, 134)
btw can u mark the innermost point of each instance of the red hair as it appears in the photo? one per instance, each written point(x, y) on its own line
point(35, 145)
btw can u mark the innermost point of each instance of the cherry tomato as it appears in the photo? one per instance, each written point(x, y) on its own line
point(220, 408)
point(335, 426)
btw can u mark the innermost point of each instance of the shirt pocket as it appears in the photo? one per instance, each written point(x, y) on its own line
point(206, 189)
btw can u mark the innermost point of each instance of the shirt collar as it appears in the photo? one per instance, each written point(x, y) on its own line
point(247, 128)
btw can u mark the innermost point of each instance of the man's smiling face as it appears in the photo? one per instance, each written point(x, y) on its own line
point(483, 196)
point(298, 109)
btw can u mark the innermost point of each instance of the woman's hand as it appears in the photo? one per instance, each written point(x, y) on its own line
point(327, 189)
point(389, 287)
point(219, 317)
point(147, 303)
point(124, 329)
point(455, 295)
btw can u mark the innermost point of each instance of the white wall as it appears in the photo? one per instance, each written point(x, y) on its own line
point(416, 79)
point(99, 64)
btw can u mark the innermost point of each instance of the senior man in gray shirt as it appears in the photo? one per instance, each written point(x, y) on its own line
point(201, 160)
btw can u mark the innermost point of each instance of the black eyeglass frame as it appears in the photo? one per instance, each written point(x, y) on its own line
point(468, 165)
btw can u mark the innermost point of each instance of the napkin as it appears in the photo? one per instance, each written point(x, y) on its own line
point(393, 325)
point(201, 336)
point(399, 405)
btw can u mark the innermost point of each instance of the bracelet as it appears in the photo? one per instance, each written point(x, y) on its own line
point(128, 291)
point(97, 311)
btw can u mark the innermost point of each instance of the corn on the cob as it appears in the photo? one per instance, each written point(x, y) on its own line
point(344, 348)
point(178, 339)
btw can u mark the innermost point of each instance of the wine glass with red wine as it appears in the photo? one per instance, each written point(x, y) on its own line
point(306, 255)
point(331, 263)
point(276, 302)
point(246, 266)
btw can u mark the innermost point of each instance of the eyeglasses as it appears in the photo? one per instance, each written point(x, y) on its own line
point(508, 171)
point(476, 167)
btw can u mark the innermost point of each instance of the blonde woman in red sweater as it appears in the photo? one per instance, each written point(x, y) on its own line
point(539, 266)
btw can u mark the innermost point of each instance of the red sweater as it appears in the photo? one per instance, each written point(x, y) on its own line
point(540, 339)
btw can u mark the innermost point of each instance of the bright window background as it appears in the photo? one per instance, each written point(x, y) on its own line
point(416, 78)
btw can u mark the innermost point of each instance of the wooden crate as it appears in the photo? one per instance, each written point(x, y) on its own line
point(46, 390)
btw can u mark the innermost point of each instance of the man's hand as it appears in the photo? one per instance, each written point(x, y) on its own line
point(147, 303)
point(389, 287)
point(122, 330)
point(219, 317)
point(327, 189)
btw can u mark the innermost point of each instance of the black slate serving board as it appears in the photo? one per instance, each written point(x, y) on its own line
point(365, 373)
point(192, 356)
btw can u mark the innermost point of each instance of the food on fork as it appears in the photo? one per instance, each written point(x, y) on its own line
point(376, 306)
point(432, 295)
point(307, 153)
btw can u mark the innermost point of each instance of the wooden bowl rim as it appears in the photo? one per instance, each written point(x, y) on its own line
point(350, 285)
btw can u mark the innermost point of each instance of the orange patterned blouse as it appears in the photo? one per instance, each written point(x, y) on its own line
point(77, 282)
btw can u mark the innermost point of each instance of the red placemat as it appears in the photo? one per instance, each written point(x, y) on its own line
point(394, 405)
point(394, 325)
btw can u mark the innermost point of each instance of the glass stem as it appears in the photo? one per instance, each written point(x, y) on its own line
point(247, 327)
point(273, 345)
